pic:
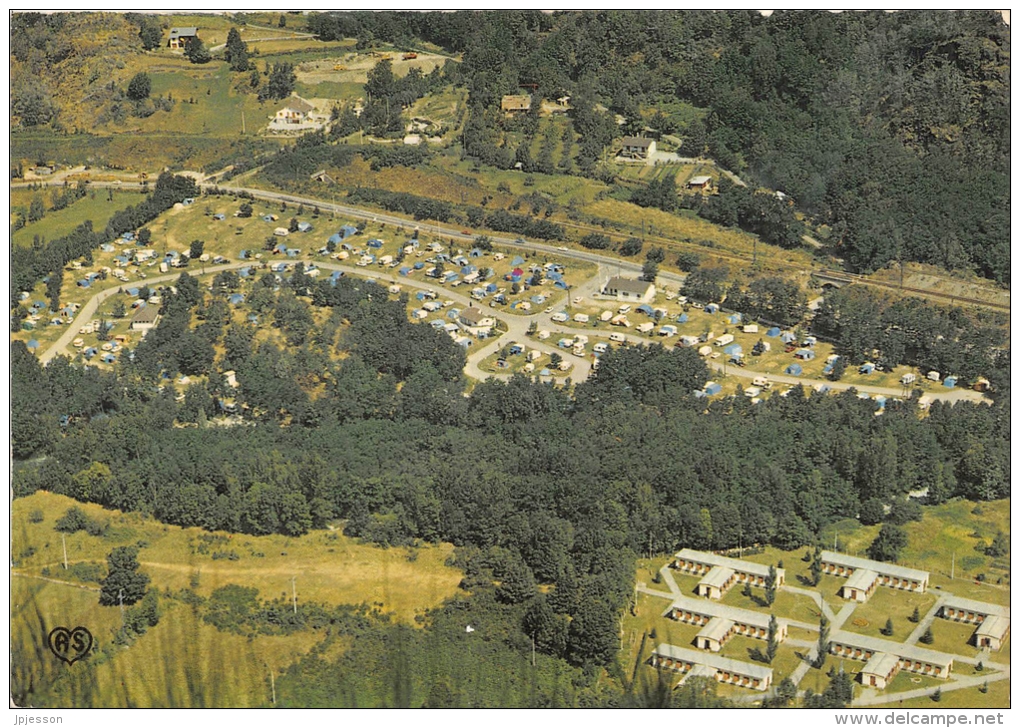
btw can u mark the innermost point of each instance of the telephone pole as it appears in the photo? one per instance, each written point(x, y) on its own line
point(63, 542)
point(272, 683)
point(293, 586)
point(120, 596)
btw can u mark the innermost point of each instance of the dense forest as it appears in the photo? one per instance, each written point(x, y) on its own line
point(863, 118)
point(542, 484)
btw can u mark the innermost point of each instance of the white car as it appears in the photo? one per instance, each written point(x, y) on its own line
point(561, 248)
point(578, 299)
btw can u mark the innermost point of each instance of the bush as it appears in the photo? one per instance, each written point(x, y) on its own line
point(72, 521)
point(87, 572)
point(35, 516)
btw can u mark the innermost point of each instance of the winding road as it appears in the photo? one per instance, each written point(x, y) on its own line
point(516, 325)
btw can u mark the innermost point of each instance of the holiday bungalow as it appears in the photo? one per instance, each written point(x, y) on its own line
point(637, 147)
point(723, 669)
point(720, 573)
point(145, 318)
point(628, 289)
point(992, 620)
point(720, 622)
point(878, 671)
point(864, 575)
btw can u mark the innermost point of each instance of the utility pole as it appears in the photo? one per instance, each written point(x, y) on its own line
point(272, 683)
point(242, 123)
point(63, 542)
point(293, 586)
point(120, 596)
point(952, 573)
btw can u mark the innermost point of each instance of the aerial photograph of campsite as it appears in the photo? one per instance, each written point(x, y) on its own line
point(510, 359)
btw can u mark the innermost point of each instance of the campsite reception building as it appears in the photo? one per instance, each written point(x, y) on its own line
point(691, 663)
point(720, 573)
point(720, 622)
point(629, 290)
point(864, 575)
point(992, 620)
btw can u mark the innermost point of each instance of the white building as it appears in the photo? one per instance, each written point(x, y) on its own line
point(720, 573)
point(864, 575)
point(701, 664)
point(629, 289)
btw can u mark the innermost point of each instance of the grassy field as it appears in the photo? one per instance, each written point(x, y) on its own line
point(330, 568)
point(998, 696)
point(96, 206)
point(886, 603)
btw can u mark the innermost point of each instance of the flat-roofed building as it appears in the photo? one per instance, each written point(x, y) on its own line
point(720, 622)
point(629, 289)
point(720, 573)
point(911, 658)
point(863, 575)
point(993, 620)
point(693, 663)
point(880, 670)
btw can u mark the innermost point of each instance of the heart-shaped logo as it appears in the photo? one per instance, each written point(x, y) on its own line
point(70, 645)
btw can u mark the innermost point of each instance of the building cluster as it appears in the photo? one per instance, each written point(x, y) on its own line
point(691, 663)
point(992, 620)
point(720, 573)
point(720, 622)
point(885, 658)
point(865, 575)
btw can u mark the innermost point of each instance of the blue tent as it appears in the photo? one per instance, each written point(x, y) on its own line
point(516, 349)
point(788, 337)
point(453, 313)
point(735, 318)
point(466, 343)
point(84, 283)
point(561, 284)
point(253, 318)
point(868, 368)
point(304, 227)
point(712, 308)
point(219, 216)
point(347, 231)
point(236, 298)
point(335, 238)
point(949, 382)
point(880, 401)
point(375, 243)
point(267, 218)
point(491, 288)
point(518, 260)
point(280, 248)
point(90, 352)
point(554, 276)
point(107, 248)
point(681, 319)
point(544, 373)
point(33, 344)
point(713, 388)
point(133, 292)
point(128, 236)
point(244, 272)
point(243, 255)
point(827, 369)
point(700, 394)
point(733, 349)
point(539, 300)
point(805, 354)
point(475, 253)
point(109, 359)
point(646, 309)
point(437, 324)
point(405, 271)
point(421, 295)
point(419, 265)
point(795, 369)
point(773, 332)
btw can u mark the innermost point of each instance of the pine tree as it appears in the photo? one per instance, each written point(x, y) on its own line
point(770, 586)
point(773, 645)
point(915, 617)
point(928, 638)
point(823, 642)
point(816, 567)
point(123, 579)
point(887, 630)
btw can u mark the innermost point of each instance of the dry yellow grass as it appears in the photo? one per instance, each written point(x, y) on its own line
point(329, 568)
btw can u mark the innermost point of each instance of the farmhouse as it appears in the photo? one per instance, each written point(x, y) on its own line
point(991, 619)
point(516, 104)
point(721, 621)
point(628, 289)
point(180, 37)
point(296, 111)
point(721, 572)
point(691, 663)
point(879, 670)
point(864, 575)
point(637, 147)
point(145, 318)
point(701, 183)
